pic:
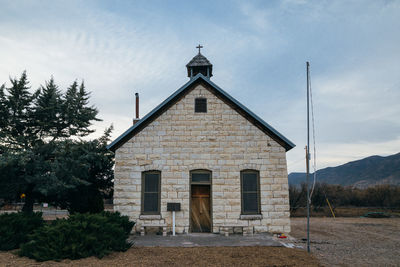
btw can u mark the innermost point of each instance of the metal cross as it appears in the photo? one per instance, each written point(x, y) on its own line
point(199, 47)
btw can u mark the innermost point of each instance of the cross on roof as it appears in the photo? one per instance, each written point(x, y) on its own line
point(199, 47)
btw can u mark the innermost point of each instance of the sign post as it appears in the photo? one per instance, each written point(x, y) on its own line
point(173, 207)
point(173, 223)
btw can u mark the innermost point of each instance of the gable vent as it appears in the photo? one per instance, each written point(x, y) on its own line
point(200, 105)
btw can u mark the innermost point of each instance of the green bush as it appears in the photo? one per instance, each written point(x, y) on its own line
point(80, 236)
point(15, 228)
point(123, 221)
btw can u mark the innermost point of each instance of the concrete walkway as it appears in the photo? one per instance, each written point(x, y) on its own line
point(204, 240)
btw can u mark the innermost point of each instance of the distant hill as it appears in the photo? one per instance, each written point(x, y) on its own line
point(362, 173)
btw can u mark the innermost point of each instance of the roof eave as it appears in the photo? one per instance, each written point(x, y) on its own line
point(115, 144)
point(286, 143)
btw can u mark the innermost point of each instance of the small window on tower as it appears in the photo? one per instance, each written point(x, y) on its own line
point(200, 105)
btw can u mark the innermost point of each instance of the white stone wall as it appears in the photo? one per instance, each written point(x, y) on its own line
point(221, 141)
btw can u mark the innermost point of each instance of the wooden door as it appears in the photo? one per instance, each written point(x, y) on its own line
point(200, 209)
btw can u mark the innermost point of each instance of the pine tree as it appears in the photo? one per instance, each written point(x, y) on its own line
point(47, 113)
point(15, 132)
point(41, 153)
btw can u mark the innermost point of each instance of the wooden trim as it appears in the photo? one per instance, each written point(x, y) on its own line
point(142, 212)
point(258, 192)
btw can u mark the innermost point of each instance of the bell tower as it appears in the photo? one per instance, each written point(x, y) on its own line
point(199, 64)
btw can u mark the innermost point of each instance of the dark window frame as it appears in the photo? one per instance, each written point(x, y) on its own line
point(200, 171)
point(198, 105)
point(158, 212)
point(243, 212)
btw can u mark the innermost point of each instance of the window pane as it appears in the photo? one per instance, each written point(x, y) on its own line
point(200, 177)
point(250, 203)
point(151, 182)
point(200, 105)
point(249, 182)
point(150, 202)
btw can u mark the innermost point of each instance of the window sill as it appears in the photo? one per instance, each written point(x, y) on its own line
point(150, 217)
point(251, 217)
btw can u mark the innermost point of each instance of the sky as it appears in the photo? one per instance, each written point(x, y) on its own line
point(258, 49)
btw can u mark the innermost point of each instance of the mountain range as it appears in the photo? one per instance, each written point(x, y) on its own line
point(362, 173)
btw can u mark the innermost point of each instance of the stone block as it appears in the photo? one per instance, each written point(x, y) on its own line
point(281, 207)
point(266, 194)
point(183, 195)
point(277, 201)
point(219, 215)
point(232, 215)
point(286, 229)
point(172, 195)
point(140, 156)
point(276, 214)
point(260, 228)
point(267, 208)
point(221, 141)
point(218, 194)
point(254, 222)
point(276, 229)
point(218, 209)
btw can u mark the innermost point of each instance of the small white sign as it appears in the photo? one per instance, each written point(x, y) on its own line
point(45, 205)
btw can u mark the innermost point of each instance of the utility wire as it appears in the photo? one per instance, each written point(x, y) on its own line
point(299, 160)
point(314, 148)
point(315, 153)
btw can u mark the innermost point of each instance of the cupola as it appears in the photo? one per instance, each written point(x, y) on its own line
point(199, 64)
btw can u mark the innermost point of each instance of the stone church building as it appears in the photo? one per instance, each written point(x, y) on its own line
point(224, 166)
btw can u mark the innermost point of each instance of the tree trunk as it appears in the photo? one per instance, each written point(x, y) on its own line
point(29, 200)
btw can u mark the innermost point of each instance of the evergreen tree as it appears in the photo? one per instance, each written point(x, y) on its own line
point(41, 153)
point(16, 131)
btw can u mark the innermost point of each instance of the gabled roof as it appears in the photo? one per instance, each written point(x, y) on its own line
point(199, 60)
point(200, 78)
point(199, 64)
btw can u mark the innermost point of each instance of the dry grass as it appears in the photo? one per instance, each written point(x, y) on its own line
point(343, 212)
point(352, 241)
point(200, 256)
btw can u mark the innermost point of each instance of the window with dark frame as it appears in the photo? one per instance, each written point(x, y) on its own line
point(151, 192)
point(200, 105)
point(250, 188)
point(200, 176)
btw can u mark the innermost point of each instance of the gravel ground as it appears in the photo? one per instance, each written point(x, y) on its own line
point(199, 256)
point(351, 241)
point(334, 242)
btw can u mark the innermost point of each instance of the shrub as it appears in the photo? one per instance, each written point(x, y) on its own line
point(15, 228)
point(377, 215)
point(384, 196)
point(80, 236)
point(123, 221)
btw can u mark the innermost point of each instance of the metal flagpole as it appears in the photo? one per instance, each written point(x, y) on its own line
point(308, 157)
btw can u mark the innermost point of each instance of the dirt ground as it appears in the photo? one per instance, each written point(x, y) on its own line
point(349, 211)
point(199, 256)
point(334, 242)
point(351, 241)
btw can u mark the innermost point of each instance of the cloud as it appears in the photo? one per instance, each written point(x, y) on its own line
point(356, 113)
point(334, 154)
point(256, 18)
point(258, 50)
